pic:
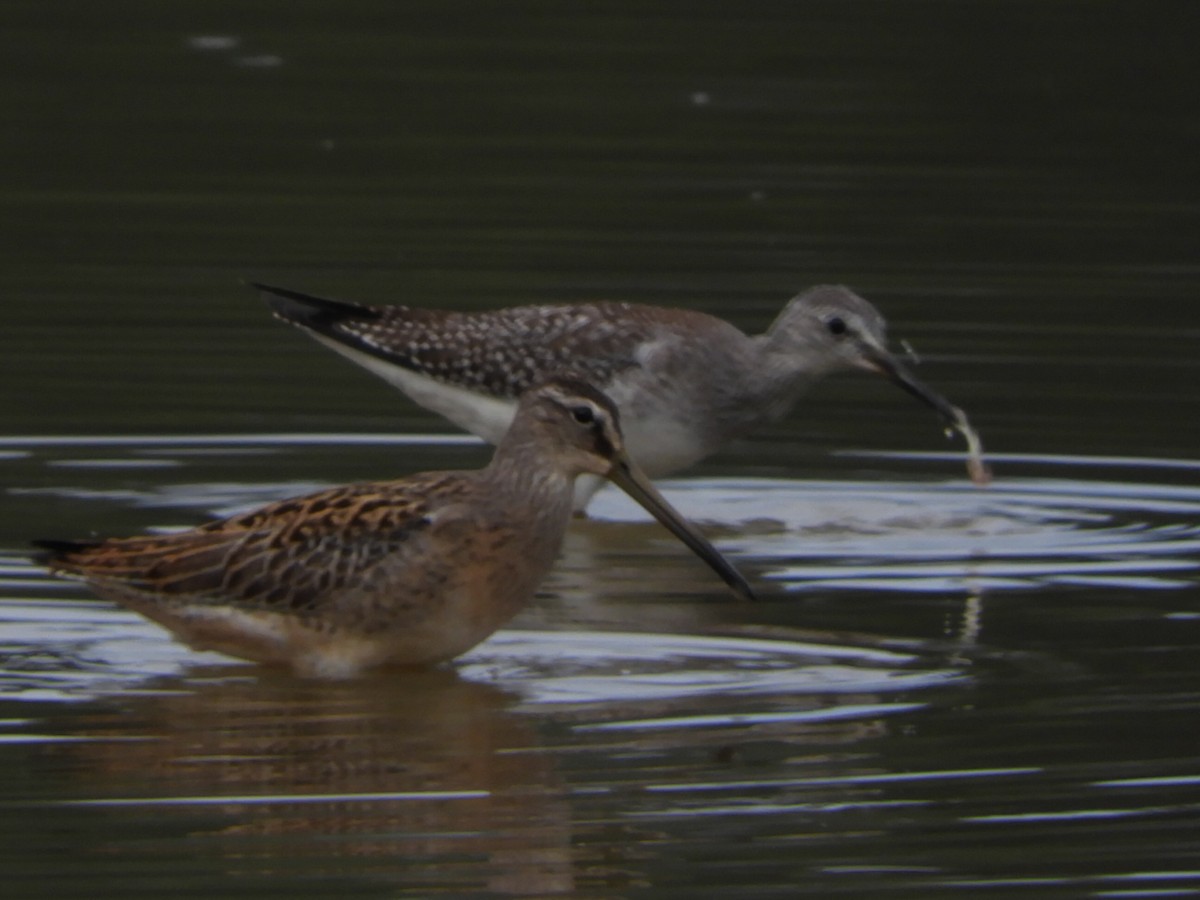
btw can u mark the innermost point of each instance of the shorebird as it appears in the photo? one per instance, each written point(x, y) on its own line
point(409, 572)
point(686, 383)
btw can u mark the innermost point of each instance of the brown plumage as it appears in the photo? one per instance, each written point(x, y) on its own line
point(406, 572)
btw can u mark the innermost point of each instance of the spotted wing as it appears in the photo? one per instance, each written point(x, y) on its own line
point(500, 353)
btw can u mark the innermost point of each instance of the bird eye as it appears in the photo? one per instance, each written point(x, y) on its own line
point(583, 415)
point(836, 325)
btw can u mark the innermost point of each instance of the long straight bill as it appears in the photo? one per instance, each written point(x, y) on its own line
point(630, 479)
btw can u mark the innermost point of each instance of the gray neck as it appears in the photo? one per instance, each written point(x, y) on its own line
point(779, 377)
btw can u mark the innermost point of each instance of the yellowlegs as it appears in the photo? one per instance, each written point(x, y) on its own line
point(686, 383)
point(408, 572)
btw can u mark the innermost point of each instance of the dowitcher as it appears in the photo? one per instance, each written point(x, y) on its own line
point(686, 383)
point(408, 572)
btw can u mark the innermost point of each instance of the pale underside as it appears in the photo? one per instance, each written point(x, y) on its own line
point(663, 424)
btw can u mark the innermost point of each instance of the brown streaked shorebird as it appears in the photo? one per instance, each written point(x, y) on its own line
point(686, 383)
point(409, 572)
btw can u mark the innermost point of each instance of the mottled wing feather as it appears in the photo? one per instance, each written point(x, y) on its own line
point(501, 352)
point(291, 556)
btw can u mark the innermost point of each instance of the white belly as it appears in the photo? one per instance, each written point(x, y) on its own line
point(479, 414)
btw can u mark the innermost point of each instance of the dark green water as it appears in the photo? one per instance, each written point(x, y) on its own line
point(946, 691)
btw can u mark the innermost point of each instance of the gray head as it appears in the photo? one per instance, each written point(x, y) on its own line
point(829, 327)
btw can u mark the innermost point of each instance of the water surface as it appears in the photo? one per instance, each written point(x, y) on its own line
point(945, 689)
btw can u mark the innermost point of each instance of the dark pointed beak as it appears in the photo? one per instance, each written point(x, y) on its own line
point(632, 481)
point(879, 360)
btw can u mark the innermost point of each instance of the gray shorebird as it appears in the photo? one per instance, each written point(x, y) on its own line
point(686, 383)
point(409, 572)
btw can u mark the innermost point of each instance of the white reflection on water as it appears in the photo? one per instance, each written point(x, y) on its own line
point(573, 667)
point(73, 650)
point(949, 536)
point(673, 728)
point(910, 536)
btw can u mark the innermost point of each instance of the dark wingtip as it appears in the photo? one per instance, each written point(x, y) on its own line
point(48, 552)
point(307, 311)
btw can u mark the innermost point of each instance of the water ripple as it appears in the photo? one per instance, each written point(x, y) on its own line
point(948, 536)
point(64, 650)
point(911, 536)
